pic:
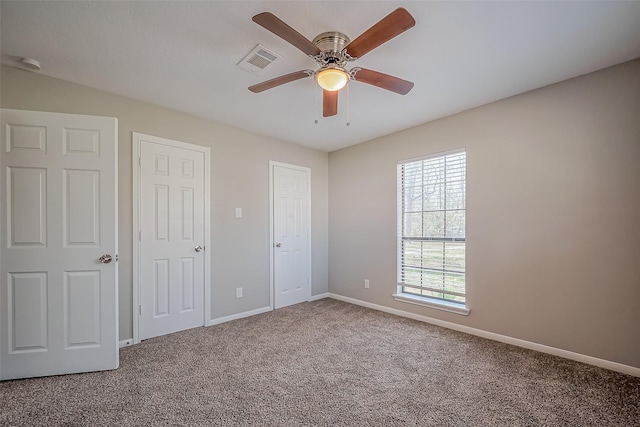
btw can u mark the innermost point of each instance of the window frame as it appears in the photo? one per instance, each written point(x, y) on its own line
point(407, 297)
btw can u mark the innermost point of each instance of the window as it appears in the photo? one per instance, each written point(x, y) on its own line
point(431, 230)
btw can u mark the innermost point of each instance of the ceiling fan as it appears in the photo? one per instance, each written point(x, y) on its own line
point(332, 50)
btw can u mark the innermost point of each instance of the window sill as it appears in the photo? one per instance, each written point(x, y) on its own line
point(432, 303)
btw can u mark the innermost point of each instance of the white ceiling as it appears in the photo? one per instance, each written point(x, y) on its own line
point(183, 55)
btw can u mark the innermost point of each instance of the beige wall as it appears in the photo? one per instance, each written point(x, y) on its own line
point(239, 178)
point(553, 214)
point(553, 207)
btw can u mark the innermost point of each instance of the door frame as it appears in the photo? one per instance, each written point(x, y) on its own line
point(307, 170)
point(136, 139)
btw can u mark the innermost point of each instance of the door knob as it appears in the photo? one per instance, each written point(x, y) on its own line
point(278, 245)
point(198, 248)
point(105, 259)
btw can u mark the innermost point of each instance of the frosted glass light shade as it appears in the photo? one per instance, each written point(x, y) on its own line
point(332, 78)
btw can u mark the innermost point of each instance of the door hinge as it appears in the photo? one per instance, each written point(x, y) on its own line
point(139, 161)
point(139, 236)
point(140, 309)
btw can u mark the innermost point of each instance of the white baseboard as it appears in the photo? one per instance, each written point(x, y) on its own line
point(220, 320)
point(319, 296)
point(125, 343)
point(613, 366)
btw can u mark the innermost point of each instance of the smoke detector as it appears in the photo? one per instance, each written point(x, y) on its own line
point(30, 64)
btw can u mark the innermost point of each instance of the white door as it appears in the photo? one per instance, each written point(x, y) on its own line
point(58, 187)
point(291, 224)
point(172, 235)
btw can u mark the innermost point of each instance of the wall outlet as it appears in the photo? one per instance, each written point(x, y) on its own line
point(238, 292)
point(238, 212)
point(366, 283)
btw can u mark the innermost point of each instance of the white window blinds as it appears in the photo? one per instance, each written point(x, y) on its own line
point(431, 226)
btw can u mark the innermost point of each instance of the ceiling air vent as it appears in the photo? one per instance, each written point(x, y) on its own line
point(258, 59)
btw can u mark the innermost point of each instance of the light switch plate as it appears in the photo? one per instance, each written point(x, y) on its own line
point(238, 212)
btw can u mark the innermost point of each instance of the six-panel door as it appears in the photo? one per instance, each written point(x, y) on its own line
point(58, 302)
point(172, 194)
point(291, 235)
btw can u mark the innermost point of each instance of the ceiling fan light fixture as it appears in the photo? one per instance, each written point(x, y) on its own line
point(332, 78)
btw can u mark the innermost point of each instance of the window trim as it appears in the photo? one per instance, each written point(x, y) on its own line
point(438, 304)
point(431, 156)
point(425, 301)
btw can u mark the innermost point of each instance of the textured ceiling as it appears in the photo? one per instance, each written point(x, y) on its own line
point(183, 55)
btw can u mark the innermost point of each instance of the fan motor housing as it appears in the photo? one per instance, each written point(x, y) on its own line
point(331, 41)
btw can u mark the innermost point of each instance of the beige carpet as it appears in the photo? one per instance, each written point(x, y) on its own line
point(327, 363)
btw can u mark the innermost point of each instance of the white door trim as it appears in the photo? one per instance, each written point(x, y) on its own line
point(273, 163)
point(135, 163)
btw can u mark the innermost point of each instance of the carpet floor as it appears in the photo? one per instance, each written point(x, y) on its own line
point(327, 363)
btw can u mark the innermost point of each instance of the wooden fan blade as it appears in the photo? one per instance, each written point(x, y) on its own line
point(395, 23)
point(260, 87)
point(284, 31)
point(329, 103)
point(384, 81)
